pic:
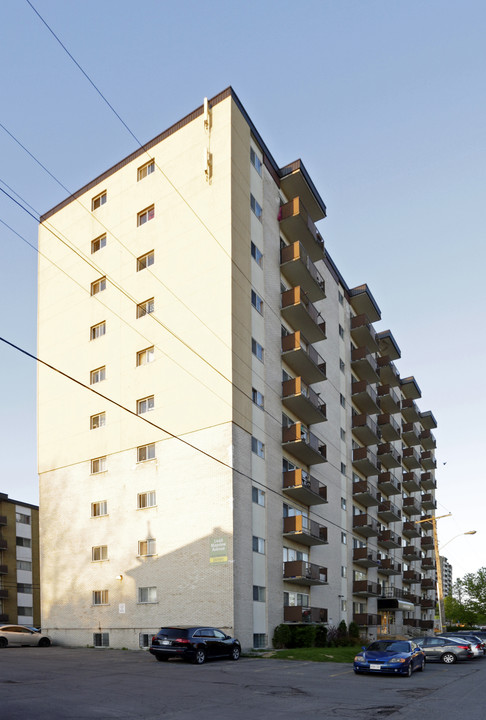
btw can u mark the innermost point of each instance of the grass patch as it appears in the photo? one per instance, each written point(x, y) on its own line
point(326, 654)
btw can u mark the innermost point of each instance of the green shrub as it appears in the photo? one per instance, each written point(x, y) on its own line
point(281, 637)
point(353, 631)
point(321, 636)
point(303, 636)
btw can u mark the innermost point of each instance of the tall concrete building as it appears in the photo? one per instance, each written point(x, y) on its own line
point(446, 572)
point(254, 456)
point(19, 562)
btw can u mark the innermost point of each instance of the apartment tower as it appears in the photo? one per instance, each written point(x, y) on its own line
point(239, 448)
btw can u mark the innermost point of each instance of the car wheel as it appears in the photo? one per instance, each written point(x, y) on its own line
point(44, 642)
point(235, 653)
point(161, 658)
point(199, 657)
point(409, 670)
point(3, 642)
point(448, 658)
point(422, 666)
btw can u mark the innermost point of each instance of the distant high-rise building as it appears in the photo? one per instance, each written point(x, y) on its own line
point(446, 570)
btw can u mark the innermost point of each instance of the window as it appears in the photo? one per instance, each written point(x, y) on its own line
point(344, 571)
point(343, 434)
point(145, 356)
point(99, 508)
point(146, 499)
point(101, 639)
point(257, 302)
point(23, 542)
point(255, 161)
point(344, 605)
point(258, 496)
point(145, 260)
point(25, 588)
point(344, 539)
point(100, 597)
point(21, 518)
point(147, 594)
point(144, 640)
point(98, 465)
point(99, 552)
point(98, 330)
point(146, 452)
point(343, 503)
point(257, 447)
point(25, 611)
point(342, 400)
point(256, 254)
point(145, 308)
point(98, 286)
point(257, 209)
point(257, 397)
point(341, 332)
point(24, 565)
point(343, 469)
point(258, 593)
point(257, 349)
point(98, 201)
point(98, 243)
point(97, 375)
point(342, 366)
point(258, 544)
point(340, 297)
point(146, 215)
point(147, 547)
point(145, 405)
point(97, 421)
point(259, 640)
point(145, 170)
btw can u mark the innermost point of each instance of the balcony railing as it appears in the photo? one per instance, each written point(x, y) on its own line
point(427, 542)
point(428, 420)
point(389, 399)
point(389, 456)
point(428, 481)
point(389, 484)
point(410, 410)
point(364, 397)
point(411, 622)
point(303, 614)
point(299, 269)
point(411, 506)
point(411, 458)
point(367, 620)
point(428, 460)
point(364, 364)
point(301, 572)
point(412, 577)
point(303, 487)
point(365, 494)
point(411, 481)
point(305, 531)
point(304, 360)
point(365, 429)
point(297, 224)
point(363, 333)
point(3, 593)
point(389, 428)
point(298, 310)
point(427, 440)
point(410, 553)
point(300, 442)
point(3, 520)
point(3, 544)
point(389, 539)
point(303, 401)
point(366, 588)
point(410, 529)
point(428, 563)
point(427, 603)
point(365, 557)
point(389, 512)
point(365, 461)
point(428, 501)
point(365, 525)
point(388, 372)
point(411, 433)
point(3, 569)
point(389, 566)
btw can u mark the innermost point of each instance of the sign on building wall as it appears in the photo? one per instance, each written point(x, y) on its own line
point(218, 550)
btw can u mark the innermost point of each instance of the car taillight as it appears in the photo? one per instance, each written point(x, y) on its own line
point(464, 647)
point(154, 638)
point(182, 640)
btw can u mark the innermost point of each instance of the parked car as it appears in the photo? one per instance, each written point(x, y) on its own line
point(390, 656)
point(477, 646)
point(474, 637)
point(445, 649)
point(22, 635)
point(196, 644)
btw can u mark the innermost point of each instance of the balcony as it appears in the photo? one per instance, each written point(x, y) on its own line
point(364, 364)
point(299, 312)
point(299, 269)
point(303, 401)
point(389, 539)
point(427, 543)
point(297, 225)
point(428, 563)
point(389, 399)
point(388, 345)
point(427, 603)
point(365, 557)
point(365, 494)
point(427, 624)
point(411, 433)
point(412, 577)
point(389, 484)
point(411, 622)
point(363, 303)
point(427, 584)
point(367, 620)
point(304, 531)
point(428, 481)
point(302, 444)
point(366, 588)
point(304, 614)
point(363, 333)
point(3, 520)
point(300, 572)
point(428, 440)
point(411, 506)
point(3, 594)
point(410, 388)
point(428, 460)
point(365, 461)
point(388, 372)
point(411, 458)
point(428, 420)
point(411, 481)
point(410, 411)
point(365, 430)
point(3, 569)
point(295, 182)
point(364, 397)
point(410, 553)
point(410, 529)
point(390, 599)
point(411, 598)
point(389, 566)
point(304, 488)
point(389, 512)
point(389, 428)
point(302, 358)
point(428, 501)
point(365, 525)
point(426, 522)
point(3, 544)
point(389, 456)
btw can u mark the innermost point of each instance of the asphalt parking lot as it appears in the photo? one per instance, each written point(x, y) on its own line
point(80, 683)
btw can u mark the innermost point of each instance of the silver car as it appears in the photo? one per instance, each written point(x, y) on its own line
point(444, 649)
point(21, 635)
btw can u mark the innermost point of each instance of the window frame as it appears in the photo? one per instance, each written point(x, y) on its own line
point(98, 243)
point(100, 463)
point(256, 208)
point(148, 495)
point(257, 447)
point(255, 161)
point(103, 552)
point(101, 416)
point(146, 256)
point(258, 398)
point(148, 447)
point(140, 594)
point(257, 350)
point(257, 302)
point(104, 639)
point(97, 375)
point(147, 307)
point(148, 167)
point(146, 353)
point(256, 254)
point(99, 200)
point(98, 285)
point(102, 595)
point(147, 399)
point(101, 505)
point(145, 215)
point(95, 330)
point(151, 547)
point(257, 495)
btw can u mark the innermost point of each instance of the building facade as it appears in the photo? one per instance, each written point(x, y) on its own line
point(253, 456)
point(19, 562)
point(446, 572)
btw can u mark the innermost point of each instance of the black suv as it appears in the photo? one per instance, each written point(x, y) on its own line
point(195, 644)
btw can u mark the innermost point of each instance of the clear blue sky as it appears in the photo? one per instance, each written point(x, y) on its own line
point(384, 102)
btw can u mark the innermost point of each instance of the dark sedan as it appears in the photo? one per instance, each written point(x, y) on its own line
point(195, 644)
point(399, 657)
point(445, 649)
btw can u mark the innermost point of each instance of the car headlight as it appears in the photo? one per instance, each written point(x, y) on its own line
point(360, 658)
point(397, 660)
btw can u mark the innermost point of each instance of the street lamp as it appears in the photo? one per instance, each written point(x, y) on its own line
point(469, 532)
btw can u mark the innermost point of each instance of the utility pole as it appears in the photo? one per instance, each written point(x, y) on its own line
point(440, 594)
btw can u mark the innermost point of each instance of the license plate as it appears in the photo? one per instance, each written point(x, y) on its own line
point(375, 667)
point(166, 642)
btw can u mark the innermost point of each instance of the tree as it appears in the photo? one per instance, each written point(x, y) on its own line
point(457, 613)
point(473, 585)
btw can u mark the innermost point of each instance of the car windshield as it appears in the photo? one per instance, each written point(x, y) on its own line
point(389, 646)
